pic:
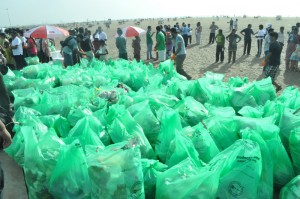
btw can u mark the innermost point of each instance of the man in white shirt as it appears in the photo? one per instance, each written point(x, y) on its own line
point(280, 38)
point(100, 34)
point(260, 38)
point(17, 51)
point(180, 52)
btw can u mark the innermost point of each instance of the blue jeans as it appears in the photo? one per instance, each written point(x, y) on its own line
point(149, 51)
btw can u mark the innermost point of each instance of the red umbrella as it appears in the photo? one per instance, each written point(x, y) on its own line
point(46, 32)
point(132, 31)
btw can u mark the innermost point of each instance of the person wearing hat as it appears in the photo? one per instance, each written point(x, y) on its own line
point(180, 52)
point(121, 44)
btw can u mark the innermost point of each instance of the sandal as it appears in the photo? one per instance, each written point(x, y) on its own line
point(278, 89)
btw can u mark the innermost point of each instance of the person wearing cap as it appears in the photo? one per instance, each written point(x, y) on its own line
point(180, 52)
point(121, 45)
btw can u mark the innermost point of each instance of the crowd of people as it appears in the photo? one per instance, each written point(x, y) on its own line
point(167, 42)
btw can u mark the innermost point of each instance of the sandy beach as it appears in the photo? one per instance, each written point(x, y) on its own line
point(201, 58)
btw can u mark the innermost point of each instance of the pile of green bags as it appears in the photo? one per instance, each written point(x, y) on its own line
point(125, 129)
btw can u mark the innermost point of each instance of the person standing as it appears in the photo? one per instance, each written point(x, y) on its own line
point(31, 47)
point(160, 45)
point(169, 43)
point(267, 41)
point(230, 24)
point(149, 42)
point(100, 34)
point(220, 40)
point(136, 45)
point(87, 46)
point(184, 33)
point(247, 32)
point(212, 34)
point(281, 37)
point(260, 38)
point(102, 51)
point(17, 50)
point(190, 33)
point(121, 45)
point(235, 24)
point(273, 59)
point(233, 39)
point(70, 49)
point(180, 52)
point(46, 50)
point(198, 31)
point(292, 42)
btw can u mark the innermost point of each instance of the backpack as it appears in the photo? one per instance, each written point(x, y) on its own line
point(66, 41)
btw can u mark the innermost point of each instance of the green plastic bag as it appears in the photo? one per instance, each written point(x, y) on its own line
point(180, 148)
point(283, 169)
point(291, 190)
point(223, 130)
point(180, 89)
point(240, 167)
point(89, 131)
point(122, 127)
point(116, 171)
point(151, 170)
point(70, 178)
point(248, 111)
point(170, 122)
point(192, 111)
point(265, 188)
point(294, 143)
point(143, 115)
point(40, 159)
point(187, 180)
point(32, 60)
point(76, 114)
point(203, 142)
point(290, 97)
point(287, 123)
point(28, 97)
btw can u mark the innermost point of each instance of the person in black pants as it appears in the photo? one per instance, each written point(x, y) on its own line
point(220, 40)
point(247, 38)
point(212, 34)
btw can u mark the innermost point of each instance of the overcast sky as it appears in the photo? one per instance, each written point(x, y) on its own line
point(28, 12)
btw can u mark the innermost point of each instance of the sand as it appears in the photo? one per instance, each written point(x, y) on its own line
point(201, 58)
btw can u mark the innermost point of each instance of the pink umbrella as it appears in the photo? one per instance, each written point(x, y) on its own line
point(46, 32)
point(132, 31)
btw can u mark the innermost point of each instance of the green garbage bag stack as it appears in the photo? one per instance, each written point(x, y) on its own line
point(201, 128)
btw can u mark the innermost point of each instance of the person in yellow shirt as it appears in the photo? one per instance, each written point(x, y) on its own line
point(8, 55)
